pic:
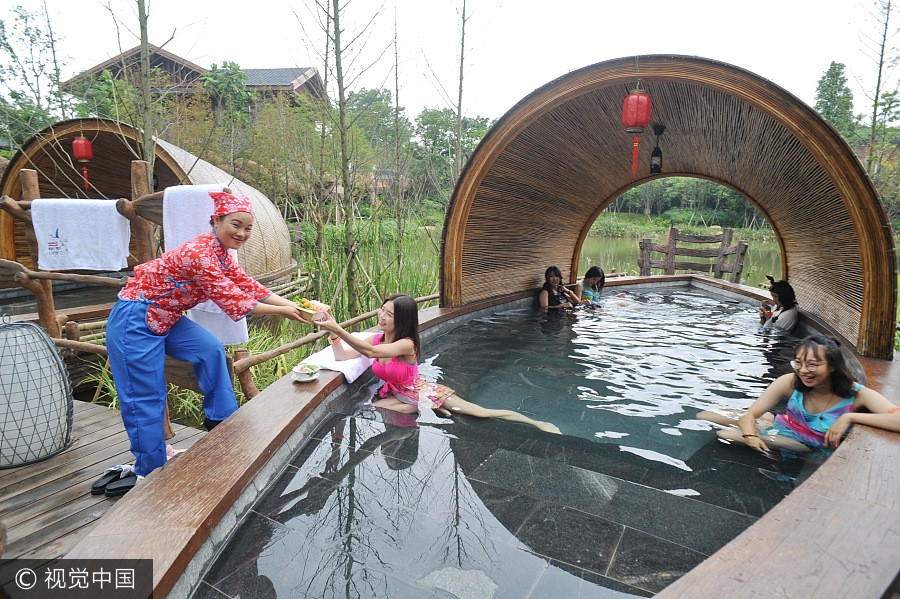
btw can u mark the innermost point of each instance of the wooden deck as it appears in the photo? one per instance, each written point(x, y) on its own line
point(47, 507)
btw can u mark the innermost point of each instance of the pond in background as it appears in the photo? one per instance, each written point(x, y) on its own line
point(622, 253)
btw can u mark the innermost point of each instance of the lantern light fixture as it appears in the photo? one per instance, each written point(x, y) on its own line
point(636, 111)
point(84, 153)
point(656, 155)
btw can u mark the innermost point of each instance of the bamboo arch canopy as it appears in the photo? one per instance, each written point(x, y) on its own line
point(541, 176)
point(266, 255)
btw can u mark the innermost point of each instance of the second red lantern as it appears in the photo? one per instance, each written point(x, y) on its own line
point(636, 111)
point(635, 116)
point(83, 152)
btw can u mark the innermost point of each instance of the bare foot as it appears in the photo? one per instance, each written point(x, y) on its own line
point(549, 428)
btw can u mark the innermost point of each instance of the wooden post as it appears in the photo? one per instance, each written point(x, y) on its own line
point(671, 241)
point(738, 267)
point(141, 229)
point(73, 333)
point(719, 268)
point(245, 377)
point(646, 245)
point(42, 289)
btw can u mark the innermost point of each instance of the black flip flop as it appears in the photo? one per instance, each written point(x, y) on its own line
point(99, 486)
point(121, 486)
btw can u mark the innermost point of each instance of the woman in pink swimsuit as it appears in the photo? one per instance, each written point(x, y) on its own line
point(396, 350)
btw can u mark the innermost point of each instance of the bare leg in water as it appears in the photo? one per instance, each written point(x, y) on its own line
point(729, 418)
point(454, 404)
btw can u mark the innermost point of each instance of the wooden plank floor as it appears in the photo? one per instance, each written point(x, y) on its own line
point(47, 507)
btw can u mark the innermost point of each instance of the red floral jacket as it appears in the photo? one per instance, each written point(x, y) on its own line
point(192, 273)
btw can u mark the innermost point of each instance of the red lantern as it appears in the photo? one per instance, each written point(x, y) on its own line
point(83, 152)
point(635, 116)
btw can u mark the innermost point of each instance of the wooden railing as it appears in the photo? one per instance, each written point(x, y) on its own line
point(669, 263)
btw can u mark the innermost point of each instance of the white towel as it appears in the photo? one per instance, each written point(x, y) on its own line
point(186, 213)
point(352, 369)
point(80, 234)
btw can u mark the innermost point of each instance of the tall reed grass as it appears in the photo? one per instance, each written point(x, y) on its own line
point(393, 256)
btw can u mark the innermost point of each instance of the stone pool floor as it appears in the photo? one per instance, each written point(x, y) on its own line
point(483, 509)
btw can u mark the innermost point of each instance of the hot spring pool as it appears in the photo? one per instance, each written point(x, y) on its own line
point(632, 496)
point(633, 372)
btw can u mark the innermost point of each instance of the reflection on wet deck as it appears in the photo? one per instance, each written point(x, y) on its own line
point(477, 509)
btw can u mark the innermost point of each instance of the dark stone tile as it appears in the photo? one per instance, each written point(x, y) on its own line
point(509, 571)
point(204, 591)
point(650, 563)
point(678, 519)
point(508, 507)
point(410, 471)
point(549, 481)
point(605, 458)
point(331, 577)
point(596, 585)
point(251, 538)
point(700, 526)
point(564, 581)
point(570, 536)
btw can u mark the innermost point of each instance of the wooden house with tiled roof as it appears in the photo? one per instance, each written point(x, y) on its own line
point(296, 80)
point(182, 74)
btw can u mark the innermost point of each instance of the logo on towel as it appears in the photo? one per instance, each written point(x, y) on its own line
point(56, 246)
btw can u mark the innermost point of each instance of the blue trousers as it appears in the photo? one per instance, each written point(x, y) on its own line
point(137, 357)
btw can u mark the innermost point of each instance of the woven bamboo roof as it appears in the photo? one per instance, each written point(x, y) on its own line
point(545, 171)
point(267, 252)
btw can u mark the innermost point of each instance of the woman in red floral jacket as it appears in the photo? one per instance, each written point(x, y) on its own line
point(146, 324)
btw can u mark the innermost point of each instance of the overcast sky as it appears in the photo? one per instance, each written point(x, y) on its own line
point(513, 46)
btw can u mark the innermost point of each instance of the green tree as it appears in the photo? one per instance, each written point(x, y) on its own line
point(106, 97)
point(436, 148)
point(834, 100)
point(372, 111)
point(21, 117)
point(228, 89)
point(30, 97)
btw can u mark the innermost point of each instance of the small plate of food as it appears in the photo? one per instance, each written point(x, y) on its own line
point(313, 310)
point(302, 373)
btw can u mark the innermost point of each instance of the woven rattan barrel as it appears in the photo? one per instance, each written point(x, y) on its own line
point(541, 176)
point(266, 255)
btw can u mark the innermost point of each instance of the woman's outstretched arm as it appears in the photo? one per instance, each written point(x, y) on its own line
point(881, 414)
point(364, 346)
point(779, 389)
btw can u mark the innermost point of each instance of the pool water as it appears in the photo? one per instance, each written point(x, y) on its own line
point(632, 496)
point(633, 372)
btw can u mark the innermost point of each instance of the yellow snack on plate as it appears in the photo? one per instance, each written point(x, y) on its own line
point(312, 309)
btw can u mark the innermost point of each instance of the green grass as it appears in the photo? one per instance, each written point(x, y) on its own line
point(381, 249)
point(624, 224)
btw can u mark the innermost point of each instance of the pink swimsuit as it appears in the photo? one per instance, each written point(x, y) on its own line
point(402, 380)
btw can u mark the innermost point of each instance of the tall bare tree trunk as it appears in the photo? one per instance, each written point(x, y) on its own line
point(148, 148)
point(63, 105)
point(320, 192)
point(398, 149)
point(346, 180)
point(871, 163)
point(459, 98)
